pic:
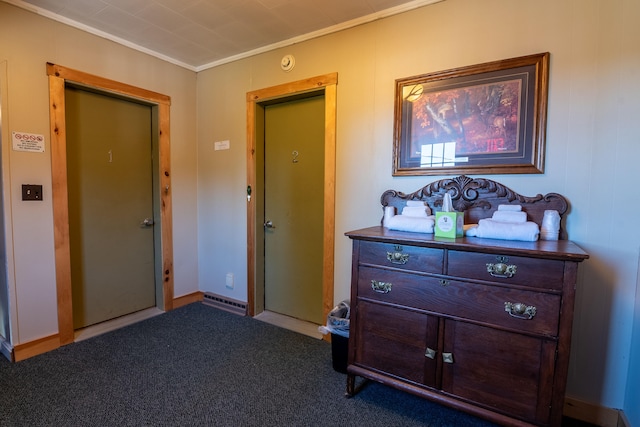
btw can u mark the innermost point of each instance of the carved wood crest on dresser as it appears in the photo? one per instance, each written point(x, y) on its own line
point(480, 325)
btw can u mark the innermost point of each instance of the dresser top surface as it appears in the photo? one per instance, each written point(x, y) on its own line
point(553, 249)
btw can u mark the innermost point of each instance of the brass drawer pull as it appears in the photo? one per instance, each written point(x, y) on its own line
point(430, 353)
point(520, 310)
point(444, 283)
point(397, 257)
point(502, 270)
point(381, 287)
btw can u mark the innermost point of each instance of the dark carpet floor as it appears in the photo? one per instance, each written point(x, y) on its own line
point(200, 366)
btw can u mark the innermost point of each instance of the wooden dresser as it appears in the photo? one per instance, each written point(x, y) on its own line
point(481, 325)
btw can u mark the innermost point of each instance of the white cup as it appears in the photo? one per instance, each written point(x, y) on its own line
point(550, 225)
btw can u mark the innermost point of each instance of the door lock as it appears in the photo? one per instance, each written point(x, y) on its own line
point(147, 222)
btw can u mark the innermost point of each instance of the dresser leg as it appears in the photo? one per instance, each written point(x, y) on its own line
point(351, 385)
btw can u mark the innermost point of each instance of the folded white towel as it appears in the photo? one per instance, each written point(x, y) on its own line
point(415, 211)
point(408, 223)
point(492, 229)
point(513, 208)
point(510, 216)
point(419, 204)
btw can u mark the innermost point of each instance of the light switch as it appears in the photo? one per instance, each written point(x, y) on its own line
point(31, 192)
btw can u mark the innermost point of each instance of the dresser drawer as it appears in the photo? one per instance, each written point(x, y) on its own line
point(538, 273)
point(514, 309)
point(406, 289)
point(533, 312)
point(406, 257)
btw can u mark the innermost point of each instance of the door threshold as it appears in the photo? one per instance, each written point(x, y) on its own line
point(291, 323)
point(113, 324)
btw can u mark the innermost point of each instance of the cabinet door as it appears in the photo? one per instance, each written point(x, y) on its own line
point(397, 342)
point(503, 371)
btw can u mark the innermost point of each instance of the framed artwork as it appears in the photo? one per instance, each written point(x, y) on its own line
point(481, 119)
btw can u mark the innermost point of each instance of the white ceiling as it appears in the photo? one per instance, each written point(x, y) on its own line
point(199, 34)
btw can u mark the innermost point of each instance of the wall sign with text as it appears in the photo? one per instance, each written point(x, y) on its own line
point(23, 141)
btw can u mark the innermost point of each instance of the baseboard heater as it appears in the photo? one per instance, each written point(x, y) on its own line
point(6, 349)
point(224, 303)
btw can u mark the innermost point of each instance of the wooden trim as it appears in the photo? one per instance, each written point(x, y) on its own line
point(60, 208)
point(330, 102)
point(590, 413)
point(188, 299)
point(326, 83)
point(292, 88)
point(58, 77)
point(85, 79)
point(166, 206)
point(34, 348)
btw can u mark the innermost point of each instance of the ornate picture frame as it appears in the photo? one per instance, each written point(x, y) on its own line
point(481, 119)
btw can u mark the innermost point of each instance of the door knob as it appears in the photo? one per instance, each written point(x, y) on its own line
point(148, 222)
point(269, 224)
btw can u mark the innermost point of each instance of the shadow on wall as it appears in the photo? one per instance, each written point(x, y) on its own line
point(591, 327)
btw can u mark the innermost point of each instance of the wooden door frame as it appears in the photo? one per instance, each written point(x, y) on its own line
point(58, 78)
point(327, 85)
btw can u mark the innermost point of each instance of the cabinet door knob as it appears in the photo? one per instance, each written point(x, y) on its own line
point(447, 357)
point(430, 353)
point(381, 287)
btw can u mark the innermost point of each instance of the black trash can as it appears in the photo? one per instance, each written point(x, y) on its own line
point(339, 352)
point(338, 323)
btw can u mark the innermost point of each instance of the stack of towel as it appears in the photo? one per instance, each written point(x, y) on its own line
point(415, 216)
point(509, 222)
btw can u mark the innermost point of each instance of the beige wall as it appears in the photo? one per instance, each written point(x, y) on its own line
point(592, 144)
point(27, 43)
point(592, 147)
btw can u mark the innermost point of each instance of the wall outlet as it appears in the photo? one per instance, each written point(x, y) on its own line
point(229, 281)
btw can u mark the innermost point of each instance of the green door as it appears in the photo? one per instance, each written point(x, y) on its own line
point(294, 202)
point(109, 173)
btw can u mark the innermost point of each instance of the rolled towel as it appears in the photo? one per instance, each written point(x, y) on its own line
point(389, 212)
point(415, 211)
point(492, 229)
point(510, 216)
point(513, 208)
point(408, 223)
